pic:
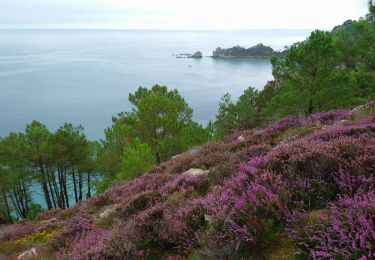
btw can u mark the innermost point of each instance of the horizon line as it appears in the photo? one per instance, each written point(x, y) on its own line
point(155, 29)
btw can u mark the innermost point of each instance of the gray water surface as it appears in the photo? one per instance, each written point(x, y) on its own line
point(85, 76)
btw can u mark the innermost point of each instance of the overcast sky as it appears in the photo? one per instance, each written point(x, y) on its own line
point(179, 14)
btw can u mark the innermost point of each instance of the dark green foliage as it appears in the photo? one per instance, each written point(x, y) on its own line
point(226, 118)
point(311, 80)
point(329, 70)
point(16, 175)
point(371, 14)
point(34, 210)
point(237, 116)
point(246, 107)
point(258, 51)
point(136, 159)
point(58, 163)
point(161, 119)
point(102, 185)
point(116, 137)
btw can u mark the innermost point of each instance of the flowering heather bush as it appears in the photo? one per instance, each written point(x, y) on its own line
point(125, 190)
point(179, 163)
point(151, 233)
point(137, 203)
point(98, 201)
point(17, 231)
point(186, 183)
point(310, 167)
point(206, 161)
point(283, 124)
point(350, 183)
point(48, 214)
point(329, 117)
point(246, 213)
point(92, 245)
point(234, 136)
point(73, 232)
point(312, 179)
point(362, 128)
point(371, 107)
point(346, 231)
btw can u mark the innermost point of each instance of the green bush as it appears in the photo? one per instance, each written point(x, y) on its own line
point(33, 211)
point(102, 185)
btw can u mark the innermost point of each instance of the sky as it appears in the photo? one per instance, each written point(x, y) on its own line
point(179, 14)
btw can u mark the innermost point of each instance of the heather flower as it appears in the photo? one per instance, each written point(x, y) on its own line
point(329, 117)
point(92, 245)
point(187, 184)
point(346, 231)
point(246, 212)
point(283, 124)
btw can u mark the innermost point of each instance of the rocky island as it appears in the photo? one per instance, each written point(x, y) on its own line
point(196, 55)
point(258, 51)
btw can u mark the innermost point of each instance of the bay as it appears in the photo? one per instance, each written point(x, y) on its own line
point(85, 76)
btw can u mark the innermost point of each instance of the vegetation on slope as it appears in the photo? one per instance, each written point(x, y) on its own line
point(302, 185)
point(258, 51)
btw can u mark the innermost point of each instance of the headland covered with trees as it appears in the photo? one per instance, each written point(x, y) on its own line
point(287, 171)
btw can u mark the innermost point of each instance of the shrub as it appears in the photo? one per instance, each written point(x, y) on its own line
point(246, 213)
point(283, 124)
point(218, 174)
point(310, 167)
point(187, 184)
point(40, 237)
point(137, 203)
point(206, 161)
point(102, 185)
point(122, 191)
point(319, 185)
point(297, 132)
point(92, 245)
point(329, 117)
point(33, 211)
point(347, 231)
point(98, 201)
point(67, 237)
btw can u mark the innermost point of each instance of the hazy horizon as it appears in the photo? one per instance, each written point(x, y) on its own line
point(178, 15)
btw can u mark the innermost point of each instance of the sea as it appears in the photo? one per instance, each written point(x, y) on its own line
point(84, 77)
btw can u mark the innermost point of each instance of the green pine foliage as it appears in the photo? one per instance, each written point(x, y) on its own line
point(136, 159)
point(328, 70)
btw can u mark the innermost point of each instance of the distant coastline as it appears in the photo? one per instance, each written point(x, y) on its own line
point(257, 52)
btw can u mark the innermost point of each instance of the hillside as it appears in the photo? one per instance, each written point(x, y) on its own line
point(301, 185)
point(258, 51)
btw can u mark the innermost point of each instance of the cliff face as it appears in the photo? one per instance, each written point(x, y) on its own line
point(255, 194)
point(259, 51)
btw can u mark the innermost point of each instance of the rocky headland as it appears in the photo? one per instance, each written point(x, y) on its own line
point(258, 51)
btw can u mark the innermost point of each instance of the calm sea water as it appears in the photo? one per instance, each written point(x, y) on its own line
point(85, 76)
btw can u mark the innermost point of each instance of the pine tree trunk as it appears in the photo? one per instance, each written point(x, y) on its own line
point(44, 185)
point(88, 186)
point(9, 216)
point(65, 189)
point(75, 185)
point(80, 184)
